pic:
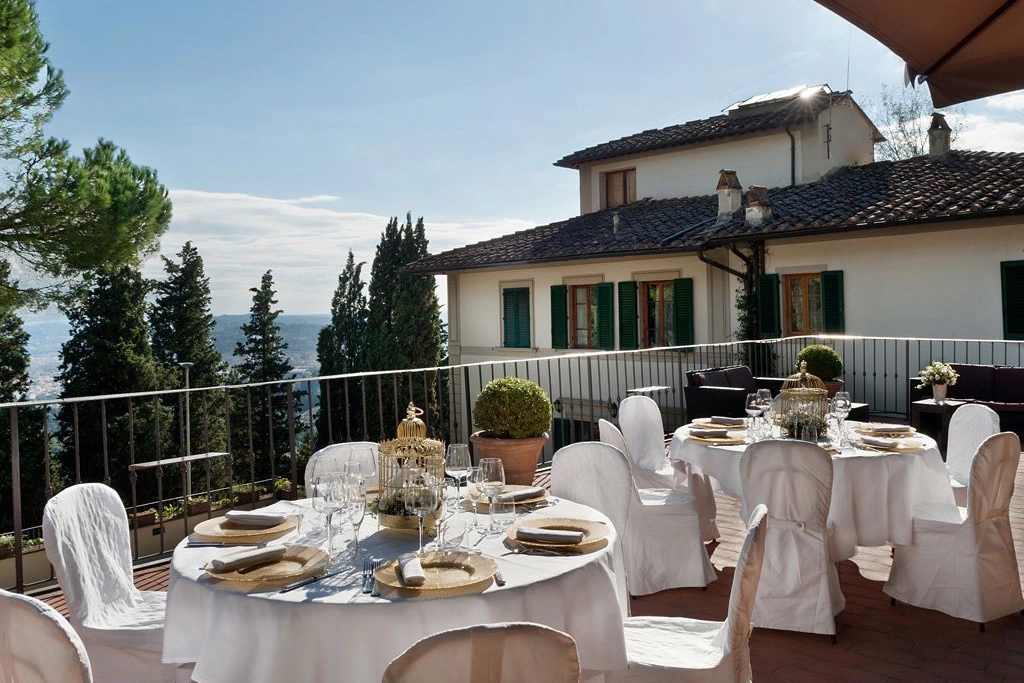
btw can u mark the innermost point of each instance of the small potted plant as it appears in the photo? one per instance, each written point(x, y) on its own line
point(824, 363)
point(938, 376)
point(514, 416)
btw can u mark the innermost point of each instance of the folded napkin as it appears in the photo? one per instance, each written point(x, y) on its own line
point(528, 493)
point(731, 421)
point(246, 558)
point(411, 570)
point(885, 429)
point(709, 433)
point(254, 518)
point(560, 536)
point(880, 442)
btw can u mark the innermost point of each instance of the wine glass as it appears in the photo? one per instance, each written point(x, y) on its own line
point(841, 405)
point(492, 482)
point(422, 496)
point(457, 461)
point(328, 497)
point(355, 507)
point(451, 506)
point(473, 480)
point(764, 397)
point(753, 408)
point(362, 461)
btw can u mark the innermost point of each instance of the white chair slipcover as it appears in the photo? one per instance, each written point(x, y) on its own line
point(675, 649)
point(86, 532)
point(333, 458)
point(644, 445)
point(799, 588)
point(962, 561)
point(661, 539)
point(515, 652)
point(969, 426)
point(37, 644)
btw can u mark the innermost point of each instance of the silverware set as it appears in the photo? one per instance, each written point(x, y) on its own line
point(369, 583)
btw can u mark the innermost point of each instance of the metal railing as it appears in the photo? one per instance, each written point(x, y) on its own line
point(177, 460)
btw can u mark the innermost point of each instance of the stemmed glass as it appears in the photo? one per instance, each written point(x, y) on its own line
point(450, 489)
point(328, 497)
point(492, 482)
point(362, 461)
point(753, 409)
point(841, 405)
point(764, 397)
point(422, 496)
point(474, 477)
point(355, 508)
point(457, 461)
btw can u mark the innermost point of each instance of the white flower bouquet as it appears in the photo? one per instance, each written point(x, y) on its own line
point(937, 373)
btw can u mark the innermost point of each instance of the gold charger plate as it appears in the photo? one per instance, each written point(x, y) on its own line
point(221, 529)
point(706, 423)
point(718, 441)
point(447, 574)
point(902, 447)
point(298, 561)
point(482, 504)
point(595, 534)
point(886, 434)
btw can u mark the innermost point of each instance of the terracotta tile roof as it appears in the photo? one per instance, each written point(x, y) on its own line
point(794, 112)
point(958, 186)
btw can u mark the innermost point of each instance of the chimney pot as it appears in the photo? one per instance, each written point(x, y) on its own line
point(938, 136)
point(730, 194)
point(759, 207)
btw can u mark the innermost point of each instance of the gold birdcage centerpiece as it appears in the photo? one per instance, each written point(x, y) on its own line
point(410, 459)
point(803, 404)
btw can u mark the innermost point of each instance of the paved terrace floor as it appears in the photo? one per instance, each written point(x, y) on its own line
point(877, 643)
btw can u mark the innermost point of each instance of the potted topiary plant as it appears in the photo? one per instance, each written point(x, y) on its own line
point(513, 415)
point(824, 363)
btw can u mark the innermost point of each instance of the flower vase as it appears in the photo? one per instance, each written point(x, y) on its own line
point(939, 393)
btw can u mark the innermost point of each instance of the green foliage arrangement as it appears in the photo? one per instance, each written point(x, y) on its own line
point(822, 361)
point(512, 408)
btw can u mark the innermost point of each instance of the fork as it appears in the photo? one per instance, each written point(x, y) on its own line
point(374, 592)
point(368, 567)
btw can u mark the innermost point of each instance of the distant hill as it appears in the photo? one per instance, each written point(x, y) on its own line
point(48, 332)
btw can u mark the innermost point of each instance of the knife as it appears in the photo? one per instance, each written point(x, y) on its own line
point(311, 579)
point(499, 578)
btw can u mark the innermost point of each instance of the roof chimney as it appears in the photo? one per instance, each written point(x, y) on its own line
point(759, 208)
point(938, 136)
point(730, 194)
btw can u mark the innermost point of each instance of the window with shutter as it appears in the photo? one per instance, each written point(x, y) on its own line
point(606, 316)
point(516, 313)
point(833, 312)
point(627, 315)
point(682, 311)
point(1012, 275)
point(559, 317)
point(767, 293)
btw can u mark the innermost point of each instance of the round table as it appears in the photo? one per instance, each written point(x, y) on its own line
point(331, 631)
point(873, 492)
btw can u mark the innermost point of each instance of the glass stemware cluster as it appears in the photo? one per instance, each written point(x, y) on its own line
point(338, 492)
point(759, 404)
point(841, 406)
point(422, 494)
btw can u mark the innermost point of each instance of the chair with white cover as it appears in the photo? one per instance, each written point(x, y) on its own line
point(969, 426)
point(38, 645)
point(85, 528)
point(962, 561)
point(676, 649)
point(659, 528)
point(333, 458)
point(799, 588)
point(515, 652)
point(643, 437)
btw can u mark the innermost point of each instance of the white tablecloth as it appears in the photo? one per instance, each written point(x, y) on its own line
point(873, 494)
point(331, 631)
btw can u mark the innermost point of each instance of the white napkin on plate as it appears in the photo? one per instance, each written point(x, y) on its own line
point(411, 570)
point(255, 518)
point(885, 428)
point(709, 433)
point(528, 493)
point(246, 558)
point(560, 536)
point(880, 442)
point(731, 421)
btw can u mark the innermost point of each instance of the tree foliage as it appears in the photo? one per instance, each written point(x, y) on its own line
point(61, 216)
point(903, 116)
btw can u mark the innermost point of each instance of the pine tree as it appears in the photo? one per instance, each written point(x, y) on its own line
point(339, 349)
point(264, 360)
point(108, 352)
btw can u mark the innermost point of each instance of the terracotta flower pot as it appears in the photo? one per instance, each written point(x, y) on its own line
point(518, 456)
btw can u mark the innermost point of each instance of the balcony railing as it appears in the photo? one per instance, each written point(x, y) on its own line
point(176, 455)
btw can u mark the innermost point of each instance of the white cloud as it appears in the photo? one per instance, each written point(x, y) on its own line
point(1013, 101)
point(981, 132)
point(241, 236)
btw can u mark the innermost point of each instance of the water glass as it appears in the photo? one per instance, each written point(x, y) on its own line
point(492, 482)
point(753, 409)
point(457, 461)
point(474, 477)
point(422, 497)
point(503, 513)
point(355, 508)
point(328, 497)
point(841, 405)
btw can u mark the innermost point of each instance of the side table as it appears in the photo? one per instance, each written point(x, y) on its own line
point(932, 418)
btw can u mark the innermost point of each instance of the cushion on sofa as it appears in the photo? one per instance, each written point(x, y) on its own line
point(976, 381)
point(740, 377)
point(1007, 385)
point(715, 378)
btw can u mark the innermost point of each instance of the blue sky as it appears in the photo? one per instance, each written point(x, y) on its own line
point(288, 133)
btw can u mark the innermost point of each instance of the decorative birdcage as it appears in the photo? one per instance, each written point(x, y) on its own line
point(803, 404)
point(410, 459)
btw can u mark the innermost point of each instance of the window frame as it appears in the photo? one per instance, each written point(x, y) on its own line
point(592, 316)
point(666, 323)
point(787, 308)
point(628, 187)
point(524, 293)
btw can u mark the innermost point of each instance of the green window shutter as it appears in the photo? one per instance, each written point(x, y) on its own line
point(516, 307)
point(833, 313)
point(627, 315)
point(559, 317)
point(769, 325)
point(1012, 273)
point(682, 311)
point(606, 316)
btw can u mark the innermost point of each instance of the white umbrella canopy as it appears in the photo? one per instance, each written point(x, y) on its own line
point(963, 49)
